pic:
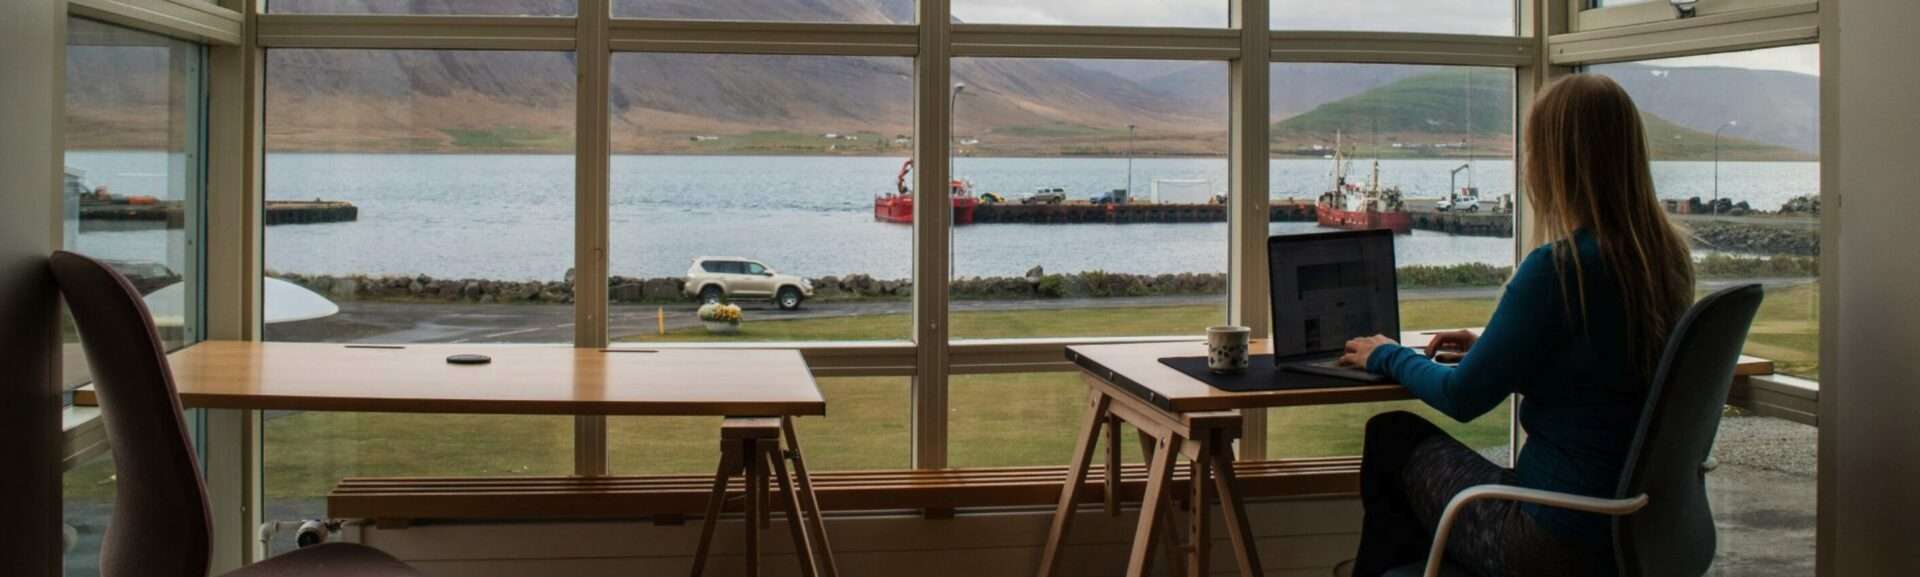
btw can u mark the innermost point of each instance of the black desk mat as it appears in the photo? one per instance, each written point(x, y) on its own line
point(1261, 375)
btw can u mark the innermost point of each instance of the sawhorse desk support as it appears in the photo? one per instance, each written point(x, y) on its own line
point(1204, 439)
point(750, 448)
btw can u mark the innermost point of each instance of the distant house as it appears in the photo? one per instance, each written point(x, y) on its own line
point(969, 141)
point(831, 136)
point(902, 140)
point(704, 138)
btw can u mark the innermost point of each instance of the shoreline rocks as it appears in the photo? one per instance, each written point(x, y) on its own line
point(1037, 284)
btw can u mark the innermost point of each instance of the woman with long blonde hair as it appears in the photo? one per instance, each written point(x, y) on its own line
point(1578, 332)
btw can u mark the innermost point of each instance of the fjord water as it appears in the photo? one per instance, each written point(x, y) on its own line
point(511, 217)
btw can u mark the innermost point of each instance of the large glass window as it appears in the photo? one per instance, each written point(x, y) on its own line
point(1089, 198)
point(1428, 150)
point(419, 196)
point(426, 7)
point(415, 197)
point(1179, 13)
point(1038, 427)
point(836, 11)
point(753, 180)
point(131, 197)
point(1736, 142)
point(133, 185)
point(865, 429)
point(1489, 17)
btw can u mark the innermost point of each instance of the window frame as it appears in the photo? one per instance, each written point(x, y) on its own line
point(1586, 15)
point(1554, 37)
point(929, 356)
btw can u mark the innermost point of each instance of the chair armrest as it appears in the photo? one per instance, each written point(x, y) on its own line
point(1613, 507)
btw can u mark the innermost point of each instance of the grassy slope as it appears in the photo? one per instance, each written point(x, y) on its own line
point(1434, 108)
point(997, 420)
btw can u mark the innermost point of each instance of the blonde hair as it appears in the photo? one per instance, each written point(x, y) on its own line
point(1587, 168)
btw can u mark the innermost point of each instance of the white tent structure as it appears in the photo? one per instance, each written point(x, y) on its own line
point(285, 302)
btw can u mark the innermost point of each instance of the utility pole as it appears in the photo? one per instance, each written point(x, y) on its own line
point(1130, 162)
point(1716, 163)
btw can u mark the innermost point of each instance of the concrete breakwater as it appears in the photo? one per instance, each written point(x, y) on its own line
point(173, 213)
point(1281, 210)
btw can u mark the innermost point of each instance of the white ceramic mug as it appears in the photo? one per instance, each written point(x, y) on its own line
point(1227, 348)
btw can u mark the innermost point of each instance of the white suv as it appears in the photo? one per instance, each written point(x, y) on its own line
point(714, 279)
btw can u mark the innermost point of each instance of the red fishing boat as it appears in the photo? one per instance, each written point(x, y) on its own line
point(898, 206)
point(1352, 207)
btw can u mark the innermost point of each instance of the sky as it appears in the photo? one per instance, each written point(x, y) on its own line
point(1804, 59)
point(1446, 16)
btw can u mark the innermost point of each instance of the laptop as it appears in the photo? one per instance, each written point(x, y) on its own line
point(1327, 288)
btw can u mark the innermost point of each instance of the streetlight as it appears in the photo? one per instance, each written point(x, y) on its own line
point(953, 141)
point(1716, 163)
point(1130, 162)
point(952, 149)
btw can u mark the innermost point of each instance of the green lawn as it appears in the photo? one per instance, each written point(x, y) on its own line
point(996, 420)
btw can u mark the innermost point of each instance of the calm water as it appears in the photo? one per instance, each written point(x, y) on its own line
point(512, 216)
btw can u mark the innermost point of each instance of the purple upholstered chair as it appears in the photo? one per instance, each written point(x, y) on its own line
point(161, 526)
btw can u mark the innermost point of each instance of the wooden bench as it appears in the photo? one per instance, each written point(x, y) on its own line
point(397, 501)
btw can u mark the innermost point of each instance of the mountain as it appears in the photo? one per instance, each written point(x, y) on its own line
point(1771, 106)
point(437, 101)
point(1431, 114)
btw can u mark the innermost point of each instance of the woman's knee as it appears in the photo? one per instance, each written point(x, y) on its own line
point(1398, 424)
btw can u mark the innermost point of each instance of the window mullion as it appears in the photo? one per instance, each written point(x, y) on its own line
point(591, 149)
point(1249, 144)
point(933, 122)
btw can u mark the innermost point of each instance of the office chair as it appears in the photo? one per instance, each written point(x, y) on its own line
point(1663, 525)
point(161, 523)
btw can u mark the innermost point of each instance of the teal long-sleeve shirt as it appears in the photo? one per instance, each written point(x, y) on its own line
point(1583, 397)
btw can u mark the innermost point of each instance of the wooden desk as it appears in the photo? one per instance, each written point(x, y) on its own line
point(759, 391)
point(1178, 416)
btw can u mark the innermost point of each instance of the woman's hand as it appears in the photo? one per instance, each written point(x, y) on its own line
point(1359, 349)
point(1451, 346)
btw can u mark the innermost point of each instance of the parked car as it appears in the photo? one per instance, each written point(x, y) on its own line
point(1115, 196)
point(714, 279)
point(1046, 196)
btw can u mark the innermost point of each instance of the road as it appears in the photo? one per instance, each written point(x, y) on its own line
point(401, 322)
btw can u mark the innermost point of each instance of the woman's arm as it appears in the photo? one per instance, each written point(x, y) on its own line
point(1525, 327)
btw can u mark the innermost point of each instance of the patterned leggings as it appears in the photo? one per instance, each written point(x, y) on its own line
point(1409, 472)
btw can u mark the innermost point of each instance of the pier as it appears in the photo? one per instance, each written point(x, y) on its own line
point(1282, 210)
point(173, 214)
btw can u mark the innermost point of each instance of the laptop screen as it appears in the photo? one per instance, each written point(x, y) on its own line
point(1327, 288)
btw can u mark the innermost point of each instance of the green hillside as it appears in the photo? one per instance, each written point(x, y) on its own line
point(1440, 103)
point(1429, 115)
point(1674, 142)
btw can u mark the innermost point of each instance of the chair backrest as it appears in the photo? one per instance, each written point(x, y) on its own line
point(1674, 534)
point(161, 526)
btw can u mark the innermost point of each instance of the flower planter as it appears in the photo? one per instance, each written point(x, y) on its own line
point(722, 327)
